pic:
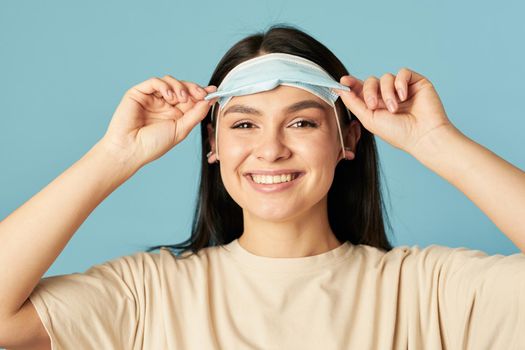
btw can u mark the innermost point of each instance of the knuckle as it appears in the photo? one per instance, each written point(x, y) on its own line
point(428, 82)
point(387, 76)
point(185, 85)
point(191, 85)
point(370, 83)
point(157, 80)
point(404, 70)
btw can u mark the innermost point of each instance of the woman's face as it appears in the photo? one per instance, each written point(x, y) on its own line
point(264, 132)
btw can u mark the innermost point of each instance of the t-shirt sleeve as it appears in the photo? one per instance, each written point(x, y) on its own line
point(480, 297)
point(101, 308)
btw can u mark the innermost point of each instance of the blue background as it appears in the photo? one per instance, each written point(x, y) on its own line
point(65, 65)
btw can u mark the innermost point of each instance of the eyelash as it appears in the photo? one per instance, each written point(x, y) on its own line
point(310, 124)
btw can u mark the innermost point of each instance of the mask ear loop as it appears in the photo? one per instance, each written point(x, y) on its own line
point(216, 129)
point(339, 130)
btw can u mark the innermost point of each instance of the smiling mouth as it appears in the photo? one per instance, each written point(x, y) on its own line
point(261, 179)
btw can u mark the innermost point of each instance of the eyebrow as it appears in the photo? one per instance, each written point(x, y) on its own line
point(290, 109)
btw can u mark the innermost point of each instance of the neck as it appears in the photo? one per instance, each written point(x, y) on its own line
point(306, 234)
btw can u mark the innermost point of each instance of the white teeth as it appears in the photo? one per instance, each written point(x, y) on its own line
point(275, 179)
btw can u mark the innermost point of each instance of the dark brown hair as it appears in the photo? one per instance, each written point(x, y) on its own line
point(355, 204)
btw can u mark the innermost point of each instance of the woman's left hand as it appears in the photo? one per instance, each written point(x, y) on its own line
point(414, 112)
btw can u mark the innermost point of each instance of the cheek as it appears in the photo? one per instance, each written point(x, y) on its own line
point(232, 153)
point(320, 152)
point(233, 149)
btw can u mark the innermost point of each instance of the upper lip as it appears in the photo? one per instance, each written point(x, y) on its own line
point(272, 172)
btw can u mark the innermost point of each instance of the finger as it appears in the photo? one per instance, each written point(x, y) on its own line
point(414, 81)
point(356, 105)
point(370, 91)
point(195, 89)
point(207, 90)
point(401, 83)
point(192, 117)
point(152, 85)
point(387, 91)
point(354, 83)
point(210, 88)
point(181, 90)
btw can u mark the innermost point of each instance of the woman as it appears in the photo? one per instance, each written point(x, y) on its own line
point(288, 249)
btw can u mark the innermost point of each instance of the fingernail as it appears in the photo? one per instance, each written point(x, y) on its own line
point(183, 95)
point(390, 105)
point(401, 93)
point(169, 93)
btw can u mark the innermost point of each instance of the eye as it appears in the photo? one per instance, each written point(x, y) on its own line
point(308, 123)
point(240, 125)
point(302, 124)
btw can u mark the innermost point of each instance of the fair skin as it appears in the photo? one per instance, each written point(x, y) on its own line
point(150, 121)
point(291, 223)
point(417, 123)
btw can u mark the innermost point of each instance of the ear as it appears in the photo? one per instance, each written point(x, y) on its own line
point(351, 138)
point(211, 139)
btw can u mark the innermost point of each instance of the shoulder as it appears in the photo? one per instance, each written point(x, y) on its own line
point(155, 261)
point(164, 259)
point(441, 262)
point(432, 256)
point(402, 253)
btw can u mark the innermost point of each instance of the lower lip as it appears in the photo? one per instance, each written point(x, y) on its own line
point(272, 188)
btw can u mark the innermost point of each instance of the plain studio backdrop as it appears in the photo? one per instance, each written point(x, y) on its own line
point(65, 65)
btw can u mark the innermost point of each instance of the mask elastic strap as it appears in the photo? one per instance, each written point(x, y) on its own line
point(339, 130)
point(217, 131)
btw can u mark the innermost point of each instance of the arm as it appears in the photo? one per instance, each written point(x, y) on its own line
point(406, 111)
point(34, 234)
point(494, 185)
point(32, 237)
point(149, 121)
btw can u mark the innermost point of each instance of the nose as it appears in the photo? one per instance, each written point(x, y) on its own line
point(271, 146)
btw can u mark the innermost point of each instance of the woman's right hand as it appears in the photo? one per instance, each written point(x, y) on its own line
point(154, 116)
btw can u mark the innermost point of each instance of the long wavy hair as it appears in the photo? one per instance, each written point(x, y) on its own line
point(356, 210)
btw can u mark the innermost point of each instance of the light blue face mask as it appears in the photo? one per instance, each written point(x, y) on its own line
point(266, 72)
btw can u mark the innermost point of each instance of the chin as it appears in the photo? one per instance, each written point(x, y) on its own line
point(272, 212)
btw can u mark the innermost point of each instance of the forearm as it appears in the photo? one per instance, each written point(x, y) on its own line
point(493, 184)
point(32, 237)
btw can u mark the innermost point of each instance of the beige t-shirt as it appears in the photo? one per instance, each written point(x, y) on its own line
point(352, 297)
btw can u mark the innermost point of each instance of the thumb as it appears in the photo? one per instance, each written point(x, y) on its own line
point(192, 117)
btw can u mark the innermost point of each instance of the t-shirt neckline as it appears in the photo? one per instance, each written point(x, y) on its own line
point(288, 265)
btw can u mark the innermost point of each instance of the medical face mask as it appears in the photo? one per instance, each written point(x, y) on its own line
point(266, 72)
